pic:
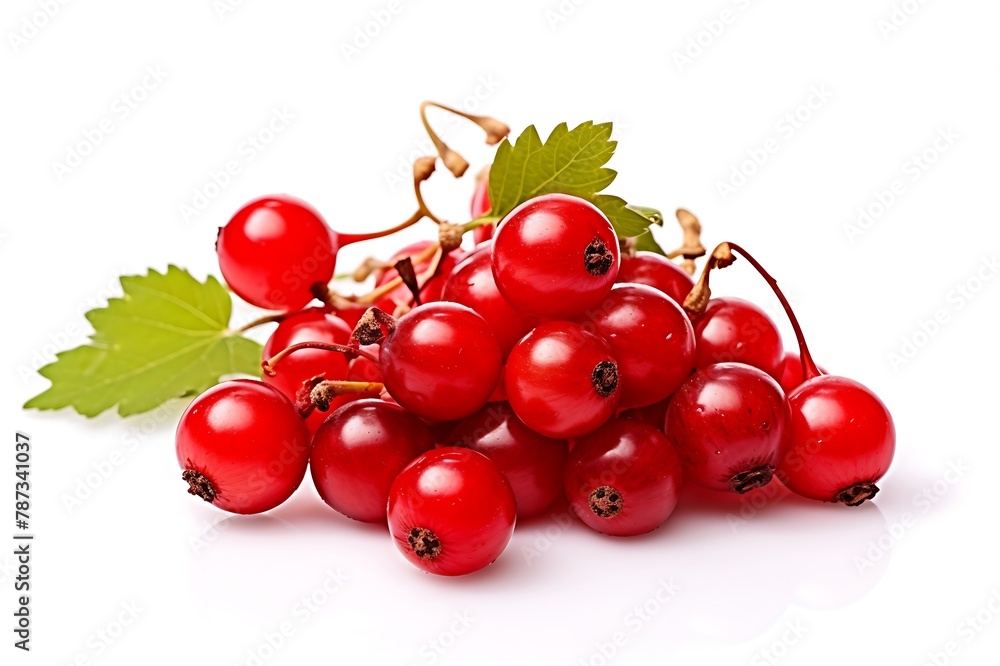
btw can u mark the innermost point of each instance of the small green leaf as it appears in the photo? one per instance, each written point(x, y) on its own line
point(166, 337)
point(653, 215)
point(645, 242)
point(570, 161)
point(627, 222)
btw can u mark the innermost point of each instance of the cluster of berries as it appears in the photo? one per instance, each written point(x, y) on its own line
point(547, 360)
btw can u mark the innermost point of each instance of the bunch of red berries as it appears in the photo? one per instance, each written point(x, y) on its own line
point(542, 362)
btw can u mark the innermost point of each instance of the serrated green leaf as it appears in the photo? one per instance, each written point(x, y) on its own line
point(569, 161)
point(166, 337)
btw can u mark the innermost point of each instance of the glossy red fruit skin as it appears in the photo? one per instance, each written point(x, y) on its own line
point(463, 499)
point(638, 463)
point(311, 325)
point(726, 419)
point(539, 256)
point(532, 463)
point(791, 372)
point(480, 206)
point(274, 249)
point(656, 271)
point(839, 434)
point(732, 330)
point(360, 450)
point(549, 380)
point(651, 338)
point(431, 291)
point(441, 361)
point(248, 441)
point(472, 285)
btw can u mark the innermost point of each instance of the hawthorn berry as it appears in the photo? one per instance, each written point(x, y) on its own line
point(555, 256)
point(451, 511)
point(358, 452)
point(242, 446)
point(624, 478)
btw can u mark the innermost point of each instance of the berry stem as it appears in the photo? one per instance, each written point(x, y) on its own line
point(270, 364)
point(455, 163)
point(722, 256)
point(691, 247)
point(347, 239)
point(480, 222)
point(697, 299)
point(334, 300)
point(422, 170)
point(809, 369)
point(277, 317)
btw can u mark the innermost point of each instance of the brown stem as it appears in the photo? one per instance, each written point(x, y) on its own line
point(277, 317)
point(422, 169)
point(691, 247)
point(347, 239)
point(697, 299)
point(375, 294)
point(809, 369)
point(495, 132)
point(270, 364)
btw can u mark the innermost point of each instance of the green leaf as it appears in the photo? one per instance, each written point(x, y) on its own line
point(653, 215)
point(645, 242)
point(626, 221)
point(167, 337)
point(570, 161)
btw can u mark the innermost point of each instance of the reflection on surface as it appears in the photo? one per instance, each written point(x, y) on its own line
point(739, 563)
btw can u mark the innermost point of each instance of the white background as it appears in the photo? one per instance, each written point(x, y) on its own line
point(796, 583)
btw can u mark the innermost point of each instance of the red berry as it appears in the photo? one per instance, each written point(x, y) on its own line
point(728, 421)
point(242, 446)
point(472, 285)
point(358, 452)
point(312, 325)
point(791, 372)
point(562, 380)
point(656, 271)
point(555, 256)
point(651, 339)
point(274, 250)
point(451, 511)
point(532, 463)
point(732, 330)
point(441, 361)
point(623, 479)
point(841, 440)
